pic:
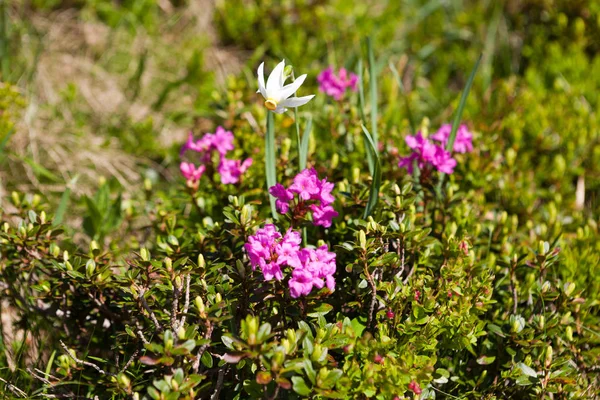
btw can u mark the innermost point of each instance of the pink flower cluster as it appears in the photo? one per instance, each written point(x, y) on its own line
point(426, 152)
point(220, 142)
point(311, 268)
point(313, 194)
point(335, 85)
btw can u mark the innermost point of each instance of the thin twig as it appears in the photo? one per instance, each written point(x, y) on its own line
point(142, 337)
point(373, 292)
point(152, 315)
point(186, 303)
point(410, 273)
point(133, 356)
point(86, 363)
point(219, 385)
point(14, 389)
point(207, 336)
point(175, 306)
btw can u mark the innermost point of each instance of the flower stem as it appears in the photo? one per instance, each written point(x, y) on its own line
point(270, 171)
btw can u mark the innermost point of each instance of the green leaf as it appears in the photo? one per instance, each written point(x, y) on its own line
point(485, 360)
point(376, 183)
point(322, 309)
point(207, 359)
point(153, 393)
point(310, 371)
point(527, 370)
point(358, 327)
point(304, 144)
point(299, 386)
point(270, 161)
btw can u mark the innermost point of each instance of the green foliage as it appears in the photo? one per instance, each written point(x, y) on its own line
point(489, 291)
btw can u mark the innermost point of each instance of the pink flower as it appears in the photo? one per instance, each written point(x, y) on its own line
point(222, 141)
point(318, 267)
point(306, 184)
point(322, 215)
point(283, 197)
point(231, 170)
point(443, 160)
point(313, 193)
point(324, 195)
point(426, 153)
point(301, 283)
point(464, 139)
point(190, 172)
point(335, 85)
point(200, 145)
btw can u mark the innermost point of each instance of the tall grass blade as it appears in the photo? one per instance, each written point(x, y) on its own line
point(270, 171)
point(461, 106)
point(409, 114)
point(376, 182)
point(373, 87)
point(4, 141)
point(304, 144)
point(4, 57)
point(458, 115)
point(64, 202)
point(361, 108)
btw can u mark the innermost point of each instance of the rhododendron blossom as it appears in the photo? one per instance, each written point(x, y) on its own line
point(220, 142)
point(271, 252)
point(336, 85)
point(314, 195)
point(190, 172)
point(464, 139)
point(426, 153)
point(231, 170)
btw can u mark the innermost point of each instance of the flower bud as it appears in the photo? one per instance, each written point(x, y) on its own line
point(362, 240)
point(54, 249)
point(168, 264)
point(145, 254)
point(568, 288)
point(569, 333)
point(517, 323)
point(16, 199)
point(200, 305)
point(181, 333)
point(201, 262)
point(90, 267)
point(246, 214)
point(335, 159)
point(548, 359)
point(355, 175)
point(218, 298)
point(147, 185)
point(43, 217)
point(65, 255)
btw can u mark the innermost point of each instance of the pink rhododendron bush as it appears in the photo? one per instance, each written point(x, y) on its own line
point(322, 230)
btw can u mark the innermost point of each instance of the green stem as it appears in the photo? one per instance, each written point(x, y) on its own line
point(270, 171)
point(298, 141)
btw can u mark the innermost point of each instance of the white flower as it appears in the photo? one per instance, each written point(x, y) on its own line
point(277, 96)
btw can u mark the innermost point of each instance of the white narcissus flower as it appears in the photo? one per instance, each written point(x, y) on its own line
point(277, 96)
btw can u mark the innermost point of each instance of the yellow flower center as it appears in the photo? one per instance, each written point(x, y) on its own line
point(271, 104)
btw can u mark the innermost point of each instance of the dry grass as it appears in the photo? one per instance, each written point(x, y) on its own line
point(78, 53)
